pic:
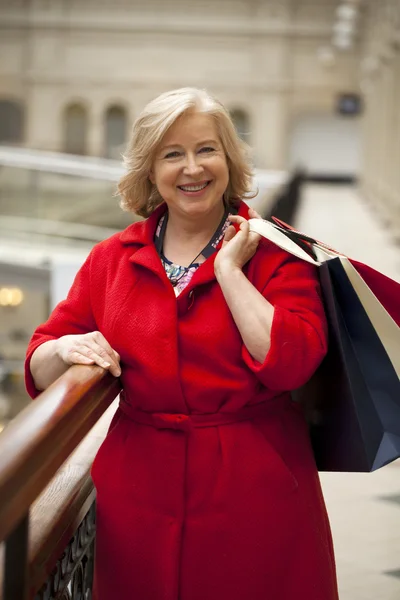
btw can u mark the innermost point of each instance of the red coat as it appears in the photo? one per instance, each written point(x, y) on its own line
point(209, 498)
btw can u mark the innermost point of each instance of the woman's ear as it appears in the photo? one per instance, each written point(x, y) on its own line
point(151, 177)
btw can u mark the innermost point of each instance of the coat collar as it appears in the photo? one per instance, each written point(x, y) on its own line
point(142, 234)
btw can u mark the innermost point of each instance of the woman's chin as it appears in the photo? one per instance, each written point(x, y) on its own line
point(199, 209)
point(201, 204)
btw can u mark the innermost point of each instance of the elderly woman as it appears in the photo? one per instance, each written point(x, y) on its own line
point(206, 484)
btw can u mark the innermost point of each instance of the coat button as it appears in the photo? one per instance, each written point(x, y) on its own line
point(190, 299)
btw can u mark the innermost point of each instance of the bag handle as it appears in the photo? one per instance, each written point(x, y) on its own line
point(286, 240)
point(302, 236)
point(293, 241)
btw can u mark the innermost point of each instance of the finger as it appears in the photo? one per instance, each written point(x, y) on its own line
point(242, 222)
point(245, 226)
point(76, 357)
point(102, 358)
point(90, 353)
point(237, 219)
point(101, 341)
point(253, 236)
point(254, 240)
point(229, 233)
point(254, 214)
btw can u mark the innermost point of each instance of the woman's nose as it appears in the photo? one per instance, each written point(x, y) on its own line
point(193, 165)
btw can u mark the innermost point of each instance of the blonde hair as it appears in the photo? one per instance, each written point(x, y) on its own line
point(137, 192)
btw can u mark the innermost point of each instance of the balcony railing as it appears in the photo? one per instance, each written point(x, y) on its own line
point(47, 515)
point(61, 201)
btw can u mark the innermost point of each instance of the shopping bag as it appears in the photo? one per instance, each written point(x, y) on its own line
point(352, 402)
point(385, 289)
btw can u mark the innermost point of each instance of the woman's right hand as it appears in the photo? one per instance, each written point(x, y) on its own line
point(88, 349)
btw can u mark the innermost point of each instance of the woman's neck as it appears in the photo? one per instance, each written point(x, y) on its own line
point(185, 237)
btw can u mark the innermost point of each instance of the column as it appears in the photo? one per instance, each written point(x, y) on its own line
point(396, 150)
point(96, 131)
point(271, 134)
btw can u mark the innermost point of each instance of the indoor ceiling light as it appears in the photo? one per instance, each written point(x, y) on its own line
point(11, 296)
point(344, 27)
point(346, 12)
point(343, 42)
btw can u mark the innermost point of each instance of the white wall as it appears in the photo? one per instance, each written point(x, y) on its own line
point(260, 56)
point(62, 277)
point(380, 80)
point(326, 144)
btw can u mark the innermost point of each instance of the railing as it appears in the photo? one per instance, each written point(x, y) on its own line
point(47, 523)
point(288, 201)
point(54, 198)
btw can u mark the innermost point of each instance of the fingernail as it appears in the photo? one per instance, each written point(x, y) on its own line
point(106, 364)
point(118, 373)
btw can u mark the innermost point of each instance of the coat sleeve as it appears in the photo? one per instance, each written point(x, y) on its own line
point(73, 315)
point(299, 327)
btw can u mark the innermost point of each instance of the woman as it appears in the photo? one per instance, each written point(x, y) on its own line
point(206, 484)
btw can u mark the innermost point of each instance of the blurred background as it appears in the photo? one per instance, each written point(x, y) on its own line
point(313, 87)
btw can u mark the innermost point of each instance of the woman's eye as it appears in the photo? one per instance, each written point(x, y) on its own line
point(207, 149)
point(173, 154)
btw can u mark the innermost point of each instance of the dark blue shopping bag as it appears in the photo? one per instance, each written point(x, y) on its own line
point(352, 402)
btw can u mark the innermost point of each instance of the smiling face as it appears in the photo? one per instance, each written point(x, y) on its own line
point(190, 168)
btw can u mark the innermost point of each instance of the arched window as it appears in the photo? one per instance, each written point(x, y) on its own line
point(115, 131)
point(75, 129)
point(11, 122)
point(241, 121)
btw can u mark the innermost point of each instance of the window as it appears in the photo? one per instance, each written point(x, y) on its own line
point(11, 122)
point(115, 131)
point(241, 121)
point(75, 129)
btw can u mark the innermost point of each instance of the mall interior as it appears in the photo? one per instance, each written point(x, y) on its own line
point(313, 87)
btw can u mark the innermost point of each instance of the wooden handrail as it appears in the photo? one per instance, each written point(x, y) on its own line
point(56, 514)
point(38, 441)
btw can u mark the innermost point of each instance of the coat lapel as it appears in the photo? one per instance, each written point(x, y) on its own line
point(140, 235)
point(147, 257)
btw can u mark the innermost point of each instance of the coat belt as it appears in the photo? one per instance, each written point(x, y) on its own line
point(186, 422)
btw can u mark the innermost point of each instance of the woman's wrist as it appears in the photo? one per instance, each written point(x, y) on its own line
point(225, 269)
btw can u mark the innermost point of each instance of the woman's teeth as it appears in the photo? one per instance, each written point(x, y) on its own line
point(193, 188)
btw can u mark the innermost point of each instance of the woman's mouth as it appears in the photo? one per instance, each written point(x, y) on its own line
point(194, 187)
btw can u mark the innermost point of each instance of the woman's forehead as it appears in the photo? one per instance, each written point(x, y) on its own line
point(191, 127)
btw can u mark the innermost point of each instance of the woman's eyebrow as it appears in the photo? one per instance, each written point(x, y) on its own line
point(202, 143)
point(170, 146)
point(208, 142)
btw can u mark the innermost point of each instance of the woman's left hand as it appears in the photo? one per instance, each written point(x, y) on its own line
point(240, 246)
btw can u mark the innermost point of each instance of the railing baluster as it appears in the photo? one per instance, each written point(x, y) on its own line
point(16, 562)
